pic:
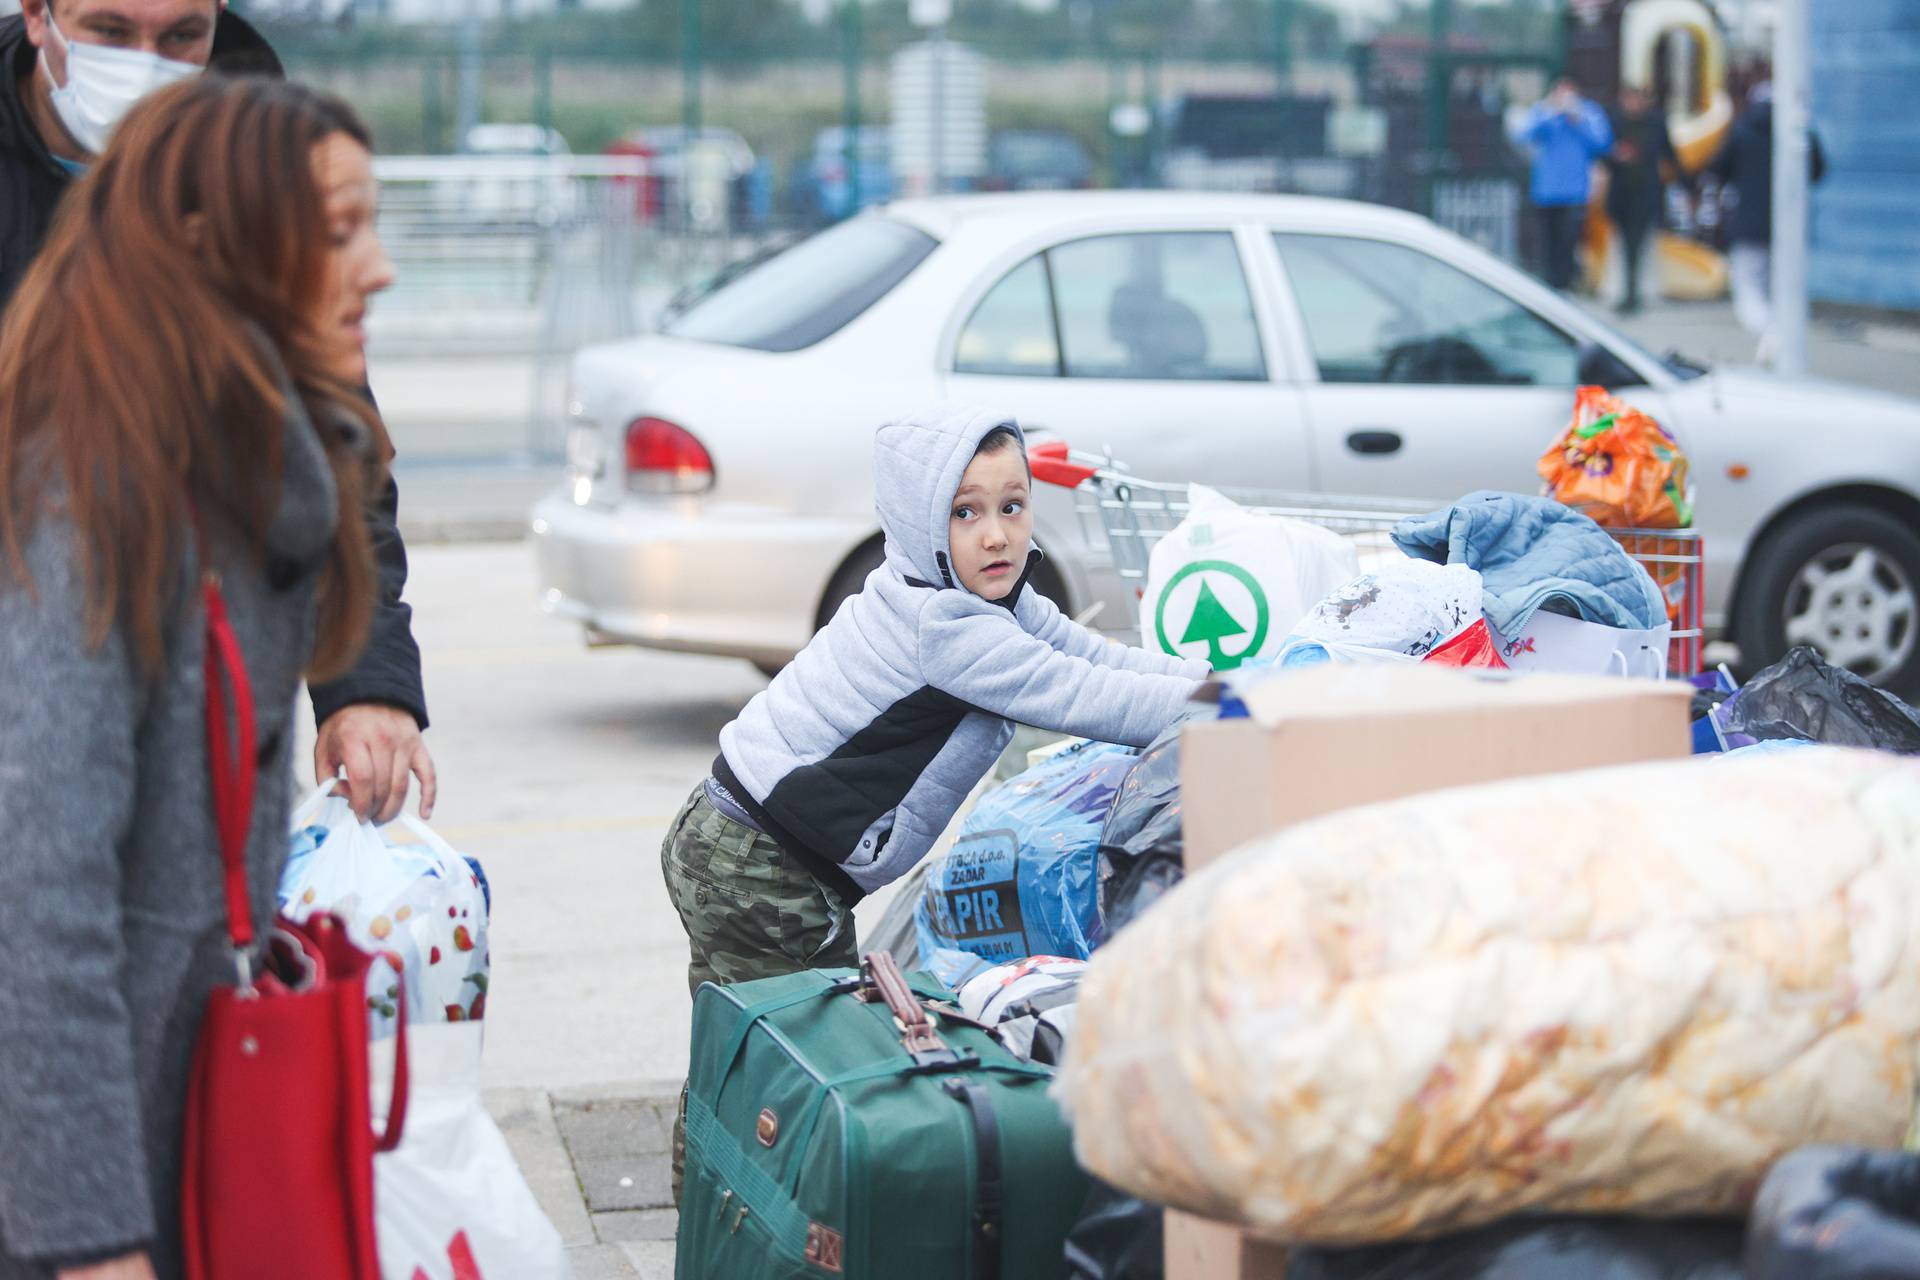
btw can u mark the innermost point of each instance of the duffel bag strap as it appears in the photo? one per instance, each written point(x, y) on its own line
point(989, 1194)
point(749, 1188)
point(751, 1014)
point(881, 980)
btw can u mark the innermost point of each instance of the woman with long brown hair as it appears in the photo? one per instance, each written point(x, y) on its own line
point(178, 394)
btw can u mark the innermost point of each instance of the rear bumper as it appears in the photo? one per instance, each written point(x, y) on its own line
point(686, 574)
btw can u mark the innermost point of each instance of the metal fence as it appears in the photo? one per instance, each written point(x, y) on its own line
point(522, 260)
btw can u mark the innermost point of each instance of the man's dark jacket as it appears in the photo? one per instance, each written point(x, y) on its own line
point(31, 185)
point(1746, 164)
point(1641, 145)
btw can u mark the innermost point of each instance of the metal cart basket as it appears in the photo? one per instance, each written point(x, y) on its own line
point(1134, 513)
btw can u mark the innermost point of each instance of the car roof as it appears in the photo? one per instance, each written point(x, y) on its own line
point(942, 216)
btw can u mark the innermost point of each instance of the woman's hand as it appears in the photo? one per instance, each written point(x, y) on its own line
point(133, 1266)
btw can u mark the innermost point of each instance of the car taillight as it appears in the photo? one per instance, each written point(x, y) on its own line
point(665, 458)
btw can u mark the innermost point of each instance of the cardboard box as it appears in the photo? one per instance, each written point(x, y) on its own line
point(1333, 737)
point(1200, 1247)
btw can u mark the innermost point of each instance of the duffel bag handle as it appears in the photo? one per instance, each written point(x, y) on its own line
point(881, 979)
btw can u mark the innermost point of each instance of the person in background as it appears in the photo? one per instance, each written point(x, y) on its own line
point(180, 379)
point(1566, 133)
point(1639, 167)
point(1745, 170)
point(72, 70)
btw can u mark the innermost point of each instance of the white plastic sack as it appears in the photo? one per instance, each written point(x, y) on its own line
point(418, 908)
point(1227, 585)
point(1030, 1004)
point(449, 1203)
point(1622, 991)
point(1401, 612)
point(1574, 646)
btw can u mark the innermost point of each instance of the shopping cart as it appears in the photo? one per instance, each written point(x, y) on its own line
point(1134, 513)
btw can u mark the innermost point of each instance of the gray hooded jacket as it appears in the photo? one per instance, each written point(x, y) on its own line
point(859, 753)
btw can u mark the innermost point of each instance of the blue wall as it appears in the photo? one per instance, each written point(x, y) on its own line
point(1866, 109)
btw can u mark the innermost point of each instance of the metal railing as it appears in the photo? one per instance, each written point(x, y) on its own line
point(525, 259)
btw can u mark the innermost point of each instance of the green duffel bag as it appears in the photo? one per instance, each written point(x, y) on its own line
point(854, 1124)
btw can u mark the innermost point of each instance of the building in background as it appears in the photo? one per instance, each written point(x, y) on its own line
point(1866, 73)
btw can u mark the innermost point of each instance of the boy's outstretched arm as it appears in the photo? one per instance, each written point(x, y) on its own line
point(990, 663)
point(1042, 618)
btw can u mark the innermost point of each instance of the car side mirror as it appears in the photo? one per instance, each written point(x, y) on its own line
point(1599, 367)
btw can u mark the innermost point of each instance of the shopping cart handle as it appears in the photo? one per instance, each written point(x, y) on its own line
point(1051, 465)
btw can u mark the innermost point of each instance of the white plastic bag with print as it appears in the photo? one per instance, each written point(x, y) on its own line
point(417, 907)
point(1227, 585)
point(1574, 646)
point(450, 1203)
point(1401, 612)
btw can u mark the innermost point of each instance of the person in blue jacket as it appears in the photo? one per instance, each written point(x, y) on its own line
point(1566, 133)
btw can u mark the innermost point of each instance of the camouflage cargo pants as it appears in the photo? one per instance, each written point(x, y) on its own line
point(750, 911)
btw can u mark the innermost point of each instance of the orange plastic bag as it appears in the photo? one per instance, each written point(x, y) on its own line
point(1618, 466)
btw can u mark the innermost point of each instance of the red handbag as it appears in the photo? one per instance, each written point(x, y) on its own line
point(277, 1170)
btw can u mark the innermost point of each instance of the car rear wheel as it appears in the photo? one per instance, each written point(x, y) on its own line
point(1845, 580)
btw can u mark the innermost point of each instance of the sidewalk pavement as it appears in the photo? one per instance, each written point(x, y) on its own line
point(597, 1162)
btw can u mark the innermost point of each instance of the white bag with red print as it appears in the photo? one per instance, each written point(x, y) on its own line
point(1574, 646)
point(449, 1203)
point(415, 904)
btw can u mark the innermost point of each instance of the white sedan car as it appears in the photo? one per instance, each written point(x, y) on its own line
point(721, 502)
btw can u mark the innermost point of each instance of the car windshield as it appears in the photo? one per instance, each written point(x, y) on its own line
point(1674, 362)
point(810, 292)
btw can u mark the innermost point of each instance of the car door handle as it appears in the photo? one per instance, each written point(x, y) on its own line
point(1375, 442)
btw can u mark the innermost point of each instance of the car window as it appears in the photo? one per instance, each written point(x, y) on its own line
point(811, 291)
point(1158, 305)
point(1011, 331)
point(1380, 312)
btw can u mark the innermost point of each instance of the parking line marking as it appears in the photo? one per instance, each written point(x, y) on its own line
point(566, 826)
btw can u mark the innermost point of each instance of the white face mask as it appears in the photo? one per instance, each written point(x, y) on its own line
point(103, 83)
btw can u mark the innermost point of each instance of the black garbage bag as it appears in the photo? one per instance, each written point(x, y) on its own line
point(1803, 697)
point(1118, 1237)
point(1706, 700)
point(1837, 1213)
point(1138, 885)
point(1563, 1248)
point(1142, 850)
point(1142, 855)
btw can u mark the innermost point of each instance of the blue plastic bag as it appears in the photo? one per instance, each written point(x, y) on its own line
point(1023, 878)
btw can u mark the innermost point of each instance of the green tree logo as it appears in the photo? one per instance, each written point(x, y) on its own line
point(1211, 622)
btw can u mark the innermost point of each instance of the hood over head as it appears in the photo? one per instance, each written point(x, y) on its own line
point(918, 462)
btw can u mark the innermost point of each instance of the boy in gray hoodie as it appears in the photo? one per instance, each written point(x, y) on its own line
point(840, 775)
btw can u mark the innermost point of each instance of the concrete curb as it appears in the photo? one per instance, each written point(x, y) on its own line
point(420, 533)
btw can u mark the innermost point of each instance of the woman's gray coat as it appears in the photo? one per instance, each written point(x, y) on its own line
point(112, 926)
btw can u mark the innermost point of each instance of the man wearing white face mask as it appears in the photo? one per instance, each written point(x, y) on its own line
point(70, 70)
point(101, 84)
